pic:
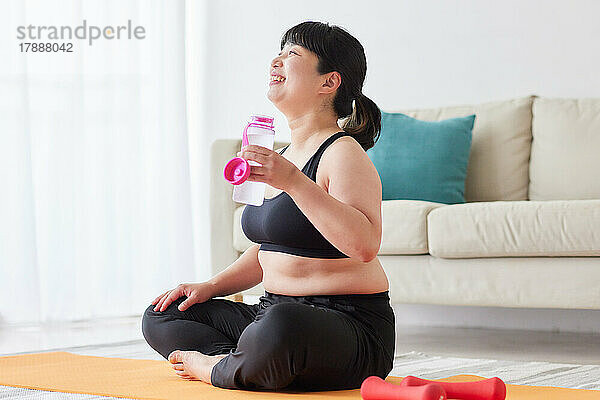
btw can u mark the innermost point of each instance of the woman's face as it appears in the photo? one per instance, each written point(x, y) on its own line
point(302, 90)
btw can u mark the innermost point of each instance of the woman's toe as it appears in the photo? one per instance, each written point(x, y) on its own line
point(176, 356)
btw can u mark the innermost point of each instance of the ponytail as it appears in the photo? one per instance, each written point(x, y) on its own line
point(364, 124)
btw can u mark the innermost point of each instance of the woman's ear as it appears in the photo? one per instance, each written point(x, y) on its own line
point(332, 82)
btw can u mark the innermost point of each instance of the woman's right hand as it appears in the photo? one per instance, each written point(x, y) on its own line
point(195, 292)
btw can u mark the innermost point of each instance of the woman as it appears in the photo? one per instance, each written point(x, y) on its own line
point(325, 321)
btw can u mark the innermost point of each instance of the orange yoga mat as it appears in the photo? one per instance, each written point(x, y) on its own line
point(153, 379)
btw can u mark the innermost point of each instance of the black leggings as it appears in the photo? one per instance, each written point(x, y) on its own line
point(303, 343)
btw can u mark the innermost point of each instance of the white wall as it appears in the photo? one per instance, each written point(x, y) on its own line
point(419, 53)
point(424, 53)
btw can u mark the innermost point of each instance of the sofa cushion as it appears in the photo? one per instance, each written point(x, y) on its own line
point(565, 153)
point(498, 166)
point(515, 229)
point(404, 227)
point(423, 160)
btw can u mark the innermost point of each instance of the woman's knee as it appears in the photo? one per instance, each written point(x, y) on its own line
point(152, 320)
point(286, 317)
point(278, 329)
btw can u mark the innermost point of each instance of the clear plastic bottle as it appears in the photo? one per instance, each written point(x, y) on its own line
point(259, 131)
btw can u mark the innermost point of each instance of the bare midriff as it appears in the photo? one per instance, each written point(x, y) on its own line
point(303, 276)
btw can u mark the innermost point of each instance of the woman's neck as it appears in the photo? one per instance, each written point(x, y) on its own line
point(309, 131)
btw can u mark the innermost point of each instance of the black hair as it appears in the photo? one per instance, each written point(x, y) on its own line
point(337, 50)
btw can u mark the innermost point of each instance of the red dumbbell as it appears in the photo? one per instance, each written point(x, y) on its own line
point(487, 389)
point(375, 388)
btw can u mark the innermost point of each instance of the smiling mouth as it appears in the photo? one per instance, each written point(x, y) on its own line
point(276, 79)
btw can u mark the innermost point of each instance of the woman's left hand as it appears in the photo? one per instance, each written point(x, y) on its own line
point(275, 170)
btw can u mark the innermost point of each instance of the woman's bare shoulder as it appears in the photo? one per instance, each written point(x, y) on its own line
point(351, 177)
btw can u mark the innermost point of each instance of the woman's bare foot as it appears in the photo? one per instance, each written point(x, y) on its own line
point(193, 365)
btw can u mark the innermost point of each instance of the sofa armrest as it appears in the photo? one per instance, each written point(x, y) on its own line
point(221, 206)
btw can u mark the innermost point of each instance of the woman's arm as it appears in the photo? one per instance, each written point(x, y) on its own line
point(349, 216)
point(244, 273)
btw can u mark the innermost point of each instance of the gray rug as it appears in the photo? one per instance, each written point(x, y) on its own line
point(414, 363)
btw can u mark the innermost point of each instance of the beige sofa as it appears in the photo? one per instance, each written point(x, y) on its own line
point(528, 235)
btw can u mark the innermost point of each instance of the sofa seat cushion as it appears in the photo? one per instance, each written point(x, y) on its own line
point(404, 227)
point(515, 229)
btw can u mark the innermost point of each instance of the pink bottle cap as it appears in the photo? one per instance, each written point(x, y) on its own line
point(236, 171)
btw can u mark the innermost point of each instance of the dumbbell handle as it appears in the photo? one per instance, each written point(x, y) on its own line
point(375, 388)
point(487, 389)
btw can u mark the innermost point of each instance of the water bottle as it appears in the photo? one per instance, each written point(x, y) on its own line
point(258, 131)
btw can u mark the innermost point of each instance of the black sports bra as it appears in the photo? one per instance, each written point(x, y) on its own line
point(279, 225)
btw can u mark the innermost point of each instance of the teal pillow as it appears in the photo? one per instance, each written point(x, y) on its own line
point(423, 160)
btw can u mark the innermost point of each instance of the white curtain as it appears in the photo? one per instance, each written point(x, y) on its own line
point(96, 210)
